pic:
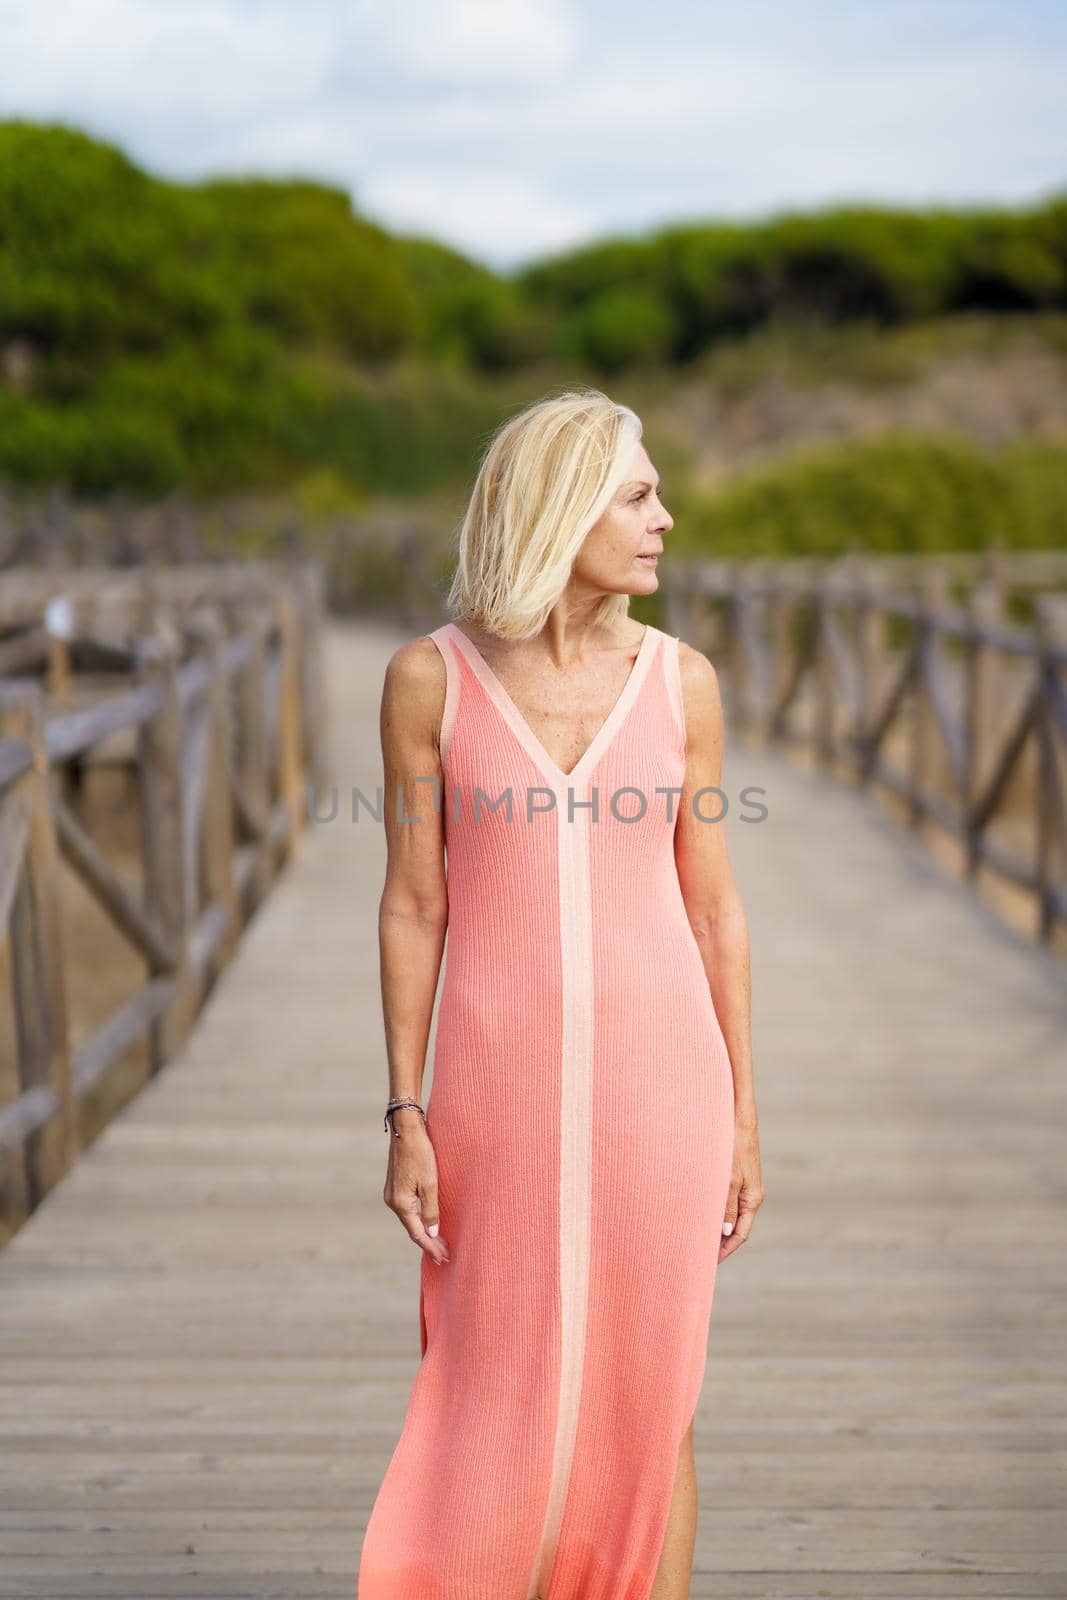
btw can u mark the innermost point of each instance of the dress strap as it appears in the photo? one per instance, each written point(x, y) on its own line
point(443, 641)
point(673, 676)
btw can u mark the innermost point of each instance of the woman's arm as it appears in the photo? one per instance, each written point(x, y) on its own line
point(717, 917)
point(412, 918)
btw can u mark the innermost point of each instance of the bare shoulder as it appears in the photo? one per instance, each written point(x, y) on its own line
point(413, 690)
point(700, 692)
point(696, 670)
point(415, 666)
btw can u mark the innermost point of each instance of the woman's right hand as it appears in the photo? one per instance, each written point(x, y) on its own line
point(411, 1180)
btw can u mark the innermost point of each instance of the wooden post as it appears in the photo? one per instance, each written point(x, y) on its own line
point(36, 943)
point(314, 710)
point(925, 740)
point(252, 753)
point(782, 644)
point(289, 779)
point(1051, 810)
point(677, 610)
point(216, 833)
point(737, 674)
point(983, 693)
point(700, 622)
point(59, 625)
point(871, 656)
point(821, 600)
point(167, 893)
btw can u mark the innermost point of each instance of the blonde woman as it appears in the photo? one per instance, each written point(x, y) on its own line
point(588, 1152)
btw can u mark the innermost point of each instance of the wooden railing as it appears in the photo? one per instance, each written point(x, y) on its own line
point(218, 723)
point(381, 559)
point(911, 675)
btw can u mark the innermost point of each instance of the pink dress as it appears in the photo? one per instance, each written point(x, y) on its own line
point(581, 1113)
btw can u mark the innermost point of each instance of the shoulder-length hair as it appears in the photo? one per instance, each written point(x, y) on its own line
point(547, 475)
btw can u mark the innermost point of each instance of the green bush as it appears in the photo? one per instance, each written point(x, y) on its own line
point(865, 264)
point(99, 259)
point(304, 265)
point(618, 329)
point(894, 493)
point(411, 434)
point(89, 450)
point(246, 330)
point(88, 248)
point(468, 316)
point(1006, 263)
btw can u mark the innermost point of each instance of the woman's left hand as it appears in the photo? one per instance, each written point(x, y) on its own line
point(746, 1189)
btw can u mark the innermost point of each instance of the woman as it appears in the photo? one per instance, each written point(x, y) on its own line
point(589, 1150)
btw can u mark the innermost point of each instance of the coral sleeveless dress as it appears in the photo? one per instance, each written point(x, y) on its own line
point(581, 1113)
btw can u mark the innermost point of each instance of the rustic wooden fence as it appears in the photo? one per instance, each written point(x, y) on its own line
point(204, 686)
point(940, 681)
point(387, 559)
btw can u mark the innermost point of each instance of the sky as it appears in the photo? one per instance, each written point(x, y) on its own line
point(514, 129)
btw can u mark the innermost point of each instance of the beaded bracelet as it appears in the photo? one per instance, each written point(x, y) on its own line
point(394, 1105)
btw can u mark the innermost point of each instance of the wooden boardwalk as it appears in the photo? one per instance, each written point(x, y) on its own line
point(208, 1330)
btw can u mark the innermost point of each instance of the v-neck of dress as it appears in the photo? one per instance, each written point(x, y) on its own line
point(525, 734)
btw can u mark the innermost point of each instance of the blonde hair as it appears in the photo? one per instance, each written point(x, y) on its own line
point(547, 475)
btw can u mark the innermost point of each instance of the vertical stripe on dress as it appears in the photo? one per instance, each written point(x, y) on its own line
point(576, 1086)
point(673, 675)
point(452, 691)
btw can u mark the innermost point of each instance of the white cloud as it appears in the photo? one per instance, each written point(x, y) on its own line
point(509, 128)
point(132, 60)
point(462, 41)
point(478, 213)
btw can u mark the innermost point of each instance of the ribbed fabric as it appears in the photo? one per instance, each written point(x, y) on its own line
point(581, 1113)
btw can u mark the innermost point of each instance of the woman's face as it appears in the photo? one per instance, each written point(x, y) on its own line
point(620, 550)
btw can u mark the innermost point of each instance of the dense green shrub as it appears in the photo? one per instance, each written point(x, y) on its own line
point(896, 492)
point(242, 330)
point(850, 263)
point(618, 329)
point(468, 315)
point(303, 264)
point(89, 450)
point(91, 259)
point(1007, 263)
point(97, 259)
